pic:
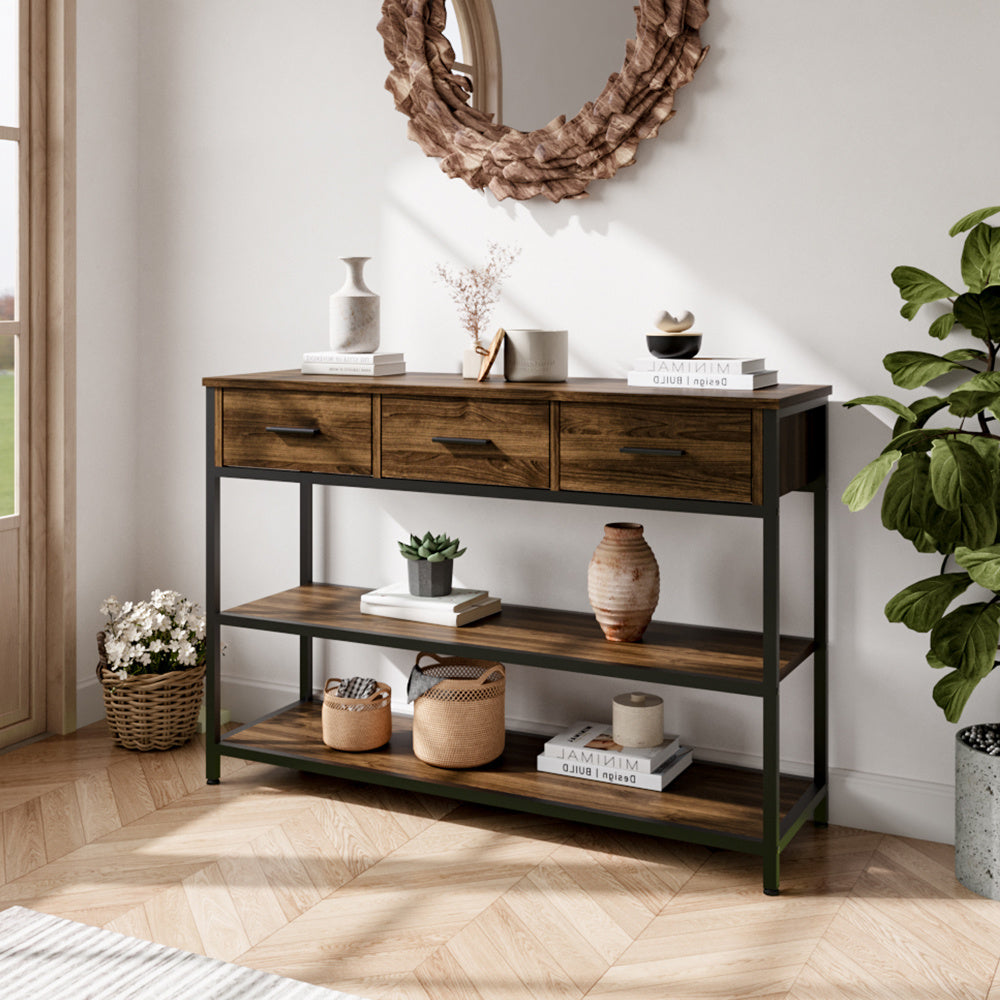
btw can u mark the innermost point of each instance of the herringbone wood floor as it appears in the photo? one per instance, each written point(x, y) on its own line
point(392, 895)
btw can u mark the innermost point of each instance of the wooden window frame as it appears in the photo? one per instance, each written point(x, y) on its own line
point(49, 341)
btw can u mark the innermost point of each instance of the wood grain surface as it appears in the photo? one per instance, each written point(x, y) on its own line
point(342, 444)
point(437, 385)
point(669, 652)
point(492, 442)
point(705, 796)
point(715, 463)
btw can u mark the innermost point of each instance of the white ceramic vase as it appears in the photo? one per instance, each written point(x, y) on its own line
point(354, 312)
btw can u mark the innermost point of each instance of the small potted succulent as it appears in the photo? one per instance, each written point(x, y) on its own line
point(430, 560)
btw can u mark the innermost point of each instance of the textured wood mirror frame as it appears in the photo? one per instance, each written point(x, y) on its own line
point(562, 158)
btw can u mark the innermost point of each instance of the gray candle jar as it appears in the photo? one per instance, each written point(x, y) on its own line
point(536, 355)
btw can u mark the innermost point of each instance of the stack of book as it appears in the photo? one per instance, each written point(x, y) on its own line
point(702, 373)
point(588, 750)
point(457, 608)
point(339, 363)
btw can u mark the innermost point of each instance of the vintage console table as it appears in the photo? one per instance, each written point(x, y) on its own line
point(585, 441)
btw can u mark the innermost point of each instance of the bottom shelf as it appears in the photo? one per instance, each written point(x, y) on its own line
point(710, 804)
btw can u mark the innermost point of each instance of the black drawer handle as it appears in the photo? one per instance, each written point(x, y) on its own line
point(451, 440)
point(302, 431)
point(666, 452)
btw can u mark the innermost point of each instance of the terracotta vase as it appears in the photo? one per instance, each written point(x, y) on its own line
point(623, 582)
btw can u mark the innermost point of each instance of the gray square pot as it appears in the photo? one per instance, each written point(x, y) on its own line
point(430, 579)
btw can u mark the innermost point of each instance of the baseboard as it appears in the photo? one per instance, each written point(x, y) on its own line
point(879, 802)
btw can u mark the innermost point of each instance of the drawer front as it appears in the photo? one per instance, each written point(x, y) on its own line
point(466, 441)
point(656, 451)
point(305, 431)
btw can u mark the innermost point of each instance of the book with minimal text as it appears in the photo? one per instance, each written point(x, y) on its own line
point(654, 781)
point(686, 380)
point(397, 595)
point(484, 607)
point(700, 366)
point(345, 358)
point(330, 368)
point(593, 744)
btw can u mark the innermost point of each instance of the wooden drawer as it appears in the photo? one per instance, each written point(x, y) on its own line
point(466, 441)
point(656, 451)
point(307, 431)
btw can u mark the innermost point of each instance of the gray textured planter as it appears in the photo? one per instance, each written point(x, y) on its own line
point(430, 579)
point(977, 819)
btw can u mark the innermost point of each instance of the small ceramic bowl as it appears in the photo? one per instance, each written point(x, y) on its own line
point(673, 345)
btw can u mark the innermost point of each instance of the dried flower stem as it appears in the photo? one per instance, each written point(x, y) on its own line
point(476, 290)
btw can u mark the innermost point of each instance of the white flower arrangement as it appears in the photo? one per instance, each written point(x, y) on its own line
point(165, 633)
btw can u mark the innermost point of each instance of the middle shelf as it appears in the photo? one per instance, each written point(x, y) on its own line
point(669, 653)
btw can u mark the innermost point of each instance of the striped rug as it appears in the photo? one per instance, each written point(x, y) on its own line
point(45, 956)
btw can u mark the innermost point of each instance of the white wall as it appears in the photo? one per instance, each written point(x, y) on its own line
point(110, 366)
point(809, 156)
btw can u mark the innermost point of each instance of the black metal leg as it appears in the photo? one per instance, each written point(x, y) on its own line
point(212, 602)
point(305, 578)
point(821, 548)
point(772, 652)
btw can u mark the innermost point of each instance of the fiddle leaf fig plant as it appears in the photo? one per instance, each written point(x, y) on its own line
point(942, 480)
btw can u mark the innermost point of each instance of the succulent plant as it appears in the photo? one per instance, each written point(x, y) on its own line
point(433, 548)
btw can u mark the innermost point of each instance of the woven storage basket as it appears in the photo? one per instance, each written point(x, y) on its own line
point(151, 711)
point(356, 723)
point(460, 721)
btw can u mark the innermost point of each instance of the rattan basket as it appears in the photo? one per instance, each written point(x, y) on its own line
point(460, 721)
point(151, 711)
point(356, 723)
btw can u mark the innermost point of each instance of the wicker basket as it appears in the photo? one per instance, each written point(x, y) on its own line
point(356, 723)
point(151, 711)
point(460, 721)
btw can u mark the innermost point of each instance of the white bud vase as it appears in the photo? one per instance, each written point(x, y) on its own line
point(354, 312)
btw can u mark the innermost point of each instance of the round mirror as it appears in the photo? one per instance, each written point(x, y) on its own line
point(451, 76)
point(542, 70)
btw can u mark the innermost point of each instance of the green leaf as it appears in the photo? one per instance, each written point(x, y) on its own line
point(952, 692)
point(942, 326)
point(436, 557)
point(960, 477)
point(989, 381)
point(972, 219)
point(974, 526)
point(923, 410)
point(918, 288)
point(918, 439)
point(966, 638)
point(898, 408)
point(965, 353)
point(967, 404)
point(863, 487)
point(912, 369)
point(979, 312)
point(981, 257)
point(904, 504)
point(983, 565)
point(921, 605)
point(933, 661)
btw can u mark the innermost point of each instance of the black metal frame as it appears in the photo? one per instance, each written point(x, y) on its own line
point(777, 832)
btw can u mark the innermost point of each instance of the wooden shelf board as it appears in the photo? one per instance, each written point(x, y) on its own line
point(707, 797)
point(678, 654)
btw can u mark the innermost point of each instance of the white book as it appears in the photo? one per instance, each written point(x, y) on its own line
point(344, 358)
point(435, 615)
point(700, 366)
point(593, 744)
point(656, 781)
point(397, 595)
point(328, 368)
point(683, 380)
